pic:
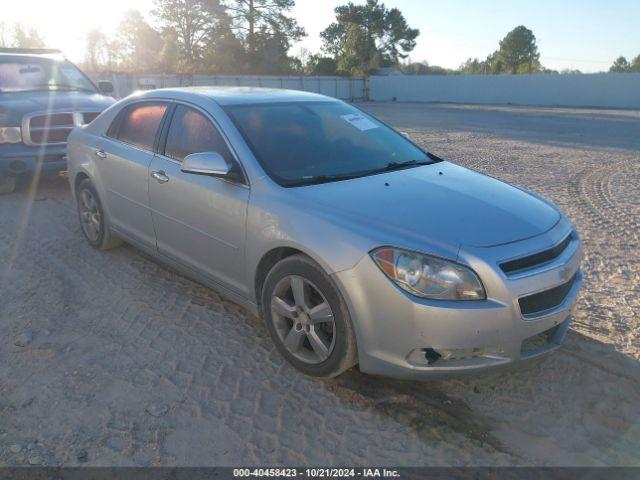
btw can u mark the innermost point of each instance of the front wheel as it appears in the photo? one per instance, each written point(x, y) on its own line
point(307, 318)
point(92, 218)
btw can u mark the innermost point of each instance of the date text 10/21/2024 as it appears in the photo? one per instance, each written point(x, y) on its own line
point(317, 472)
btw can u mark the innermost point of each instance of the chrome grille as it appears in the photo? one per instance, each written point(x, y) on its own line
point(53, 128)
point(55, 119)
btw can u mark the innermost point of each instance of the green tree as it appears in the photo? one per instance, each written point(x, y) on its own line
point(96, 55)
point(495, 64)
point(620, 65)
point(194, 24)
point(5, 37)
point(518, 48)
point(423, 68)
point(473, 66)
point(27, 38)
point(225, 53)
point(140, 44)
point(366, 37)
point(317, 64)
point(271, 55)
point(170, 53)
point(360, 55)
point(320, 65)
point(415, 68)
point(265, 30)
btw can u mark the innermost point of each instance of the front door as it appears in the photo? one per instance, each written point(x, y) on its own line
point(199, 220)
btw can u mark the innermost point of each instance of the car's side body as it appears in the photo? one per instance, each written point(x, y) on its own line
point(228, 234)
point(265, 231)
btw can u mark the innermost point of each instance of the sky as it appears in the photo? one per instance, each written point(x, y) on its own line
point(583, 34)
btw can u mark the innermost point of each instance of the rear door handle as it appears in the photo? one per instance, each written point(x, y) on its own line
point(101, 153)
point(160, 176)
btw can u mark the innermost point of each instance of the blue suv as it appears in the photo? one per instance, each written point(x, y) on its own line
point(43, 97)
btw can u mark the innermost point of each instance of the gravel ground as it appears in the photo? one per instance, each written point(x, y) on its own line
point(111, 359)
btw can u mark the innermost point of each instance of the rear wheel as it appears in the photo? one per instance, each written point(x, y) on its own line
point(92, 218)
point(308, 319)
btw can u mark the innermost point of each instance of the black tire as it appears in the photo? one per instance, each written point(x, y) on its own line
point(343, 354)
point(105, 239)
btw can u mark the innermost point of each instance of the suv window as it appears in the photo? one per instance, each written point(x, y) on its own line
point(139, 124)
point(192, 132)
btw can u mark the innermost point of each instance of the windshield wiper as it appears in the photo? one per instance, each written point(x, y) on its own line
point(391, 166)
point(321, 179)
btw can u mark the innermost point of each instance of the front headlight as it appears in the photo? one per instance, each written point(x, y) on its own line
point(10, 134)
point(427, 276)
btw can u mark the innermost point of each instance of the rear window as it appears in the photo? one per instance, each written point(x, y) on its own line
point(139, 124)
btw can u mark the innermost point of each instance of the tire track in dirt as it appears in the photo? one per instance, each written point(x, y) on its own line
point(593, 188)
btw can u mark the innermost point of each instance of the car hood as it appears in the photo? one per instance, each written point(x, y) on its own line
point(441, 203)
point(13, 105)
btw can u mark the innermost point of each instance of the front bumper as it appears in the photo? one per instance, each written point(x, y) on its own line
point(18, 159)
point(398, 333)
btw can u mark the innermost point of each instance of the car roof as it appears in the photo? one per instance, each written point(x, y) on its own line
point(238, 95)
point(15, 53)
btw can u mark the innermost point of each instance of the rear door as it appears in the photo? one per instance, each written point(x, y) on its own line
point(123, 160)
point(199, 220)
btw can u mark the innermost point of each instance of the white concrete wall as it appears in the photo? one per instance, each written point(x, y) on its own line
point(615, 90)
point(346, 88)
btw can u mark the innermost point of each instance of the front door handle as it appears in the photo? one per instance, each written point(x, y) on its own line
point(101, 153)
point(160, 176)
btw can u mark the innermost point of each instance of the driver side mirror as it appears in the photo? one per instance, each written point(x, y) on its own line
point(207, 163)
point(105, 87)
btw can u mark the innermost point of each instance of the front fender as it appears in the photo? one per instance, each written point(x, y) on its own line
point(333, 248)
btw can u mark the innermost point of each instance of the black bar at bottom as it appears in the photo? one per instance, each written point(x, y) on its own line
point(206, 473)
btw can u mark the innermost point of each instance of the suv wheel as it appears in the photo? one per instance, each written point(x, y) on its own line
point(307, 318)
point(92, 218)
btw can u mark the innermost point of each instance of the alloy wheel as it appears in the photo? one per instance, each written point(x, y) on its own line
point(303, 319)
point(90, 215)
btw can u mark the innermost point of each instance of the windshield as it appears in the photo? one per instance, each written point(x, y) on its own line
point(32, 73)
point(301, 143)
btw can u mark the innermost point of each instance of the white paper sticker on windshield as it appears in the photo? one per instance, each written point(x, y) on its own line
point(360, 122)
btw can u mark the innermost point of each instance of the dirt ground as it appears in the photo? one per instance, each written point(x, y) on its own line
point(111, 359)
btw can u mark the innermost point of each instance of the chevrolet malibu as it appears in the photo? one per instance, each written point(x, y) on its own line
point(355, 245)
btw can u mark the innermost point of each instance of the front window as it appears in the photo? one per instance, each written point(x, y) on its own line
point(301, 143)
point(31, 73)
point(191, 132)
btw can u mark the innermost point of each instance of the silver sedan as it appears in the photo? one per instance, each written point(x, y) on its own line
point(353, 243)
